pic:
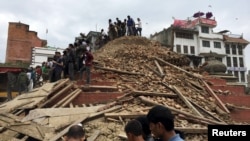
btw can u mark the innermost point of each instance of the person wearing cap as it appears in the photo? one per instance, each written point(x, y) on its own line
point(161, 123)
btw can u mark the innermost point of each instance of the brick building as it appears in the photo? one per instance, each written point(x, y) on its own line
point(20, 42)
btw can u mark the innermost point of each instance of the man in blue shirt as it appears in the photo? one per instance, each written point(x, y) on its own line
point(161, 123)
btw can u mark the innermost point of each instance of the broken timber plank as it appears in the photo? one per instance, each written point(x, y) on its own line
point(178, 92)
point(148, 101)
point(77, 92)
point(148, 93)
point(153, 70)
point(118, 71)
point(218, 101)
point(161, 60)
point(159, 67)
point(94, 135)
point(58, 104)
point(56, 95)
point(205, 111)
point(27, 97)
point(192, 130)
point(123, 115)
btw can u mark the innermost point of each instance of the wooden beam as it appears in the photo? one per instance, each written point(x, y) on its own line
point(56, 95)
point(171, 65)
point(118, 71)
point(147, 93)
point(159, 67)
point(123, 115)
point(169, 87)
point(153, 70)
point(58, 104)
point(206, 112)
point(35, 96)
point(218, 101)
point(191, 130)
point(183, 98)
point(78, 91)
point(148, 101)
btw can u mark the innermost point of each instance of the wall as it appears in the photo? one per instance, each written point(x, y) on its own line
point(20, 42)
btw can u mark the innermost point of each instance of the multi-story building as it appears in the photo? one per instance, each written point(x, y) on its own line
point(235, 59)
point(20, 43)
point(196, 39)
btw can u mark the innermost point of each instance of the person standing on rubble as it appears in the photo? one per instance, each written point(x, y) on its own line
point(58, 66)
point(87, 64)
point(22, 82)
point(130, 26)
point(71, 61)
point(11, 84)
point(139, 27)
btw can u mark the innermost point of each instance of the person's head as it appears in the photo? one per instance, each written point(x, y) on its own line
point(133, 130)
point(138, 19)
point(145, 125)
point(71, 46)
point(160, 120)
point(75, 133)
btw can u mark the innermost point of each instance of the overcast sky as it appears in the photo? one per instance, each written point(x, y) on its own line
point(65, 19)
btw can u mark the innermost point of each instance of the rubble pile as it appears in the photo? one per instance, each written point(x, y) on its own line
point(145, 72)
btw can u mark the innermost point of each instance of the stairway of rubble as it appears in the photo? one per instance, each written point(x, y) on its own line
point(97, 92)
point(236, 96)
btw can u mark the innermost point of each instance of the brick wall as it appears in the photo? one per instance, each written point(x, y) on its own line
point(100, 97)
point(20, 42)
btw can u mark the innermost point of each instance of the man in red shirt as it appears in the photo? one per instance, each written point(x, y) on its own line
point(87, 64)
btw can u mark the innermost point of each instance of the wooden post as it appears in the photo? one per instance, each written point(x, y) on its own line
point(153, 70)
point(218, 101)
point(159, 67)
point(178, 92)
point(176, 67)
point(146, 100)
point(56, 95)
point(78, 91)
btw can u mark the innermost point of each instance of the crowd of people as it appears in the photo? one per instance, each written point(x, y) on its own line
point(120, 28)
point(157, 125)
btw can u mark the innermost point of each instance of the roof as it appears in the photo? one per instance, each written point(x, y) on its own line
point(235, 40)
point(10, 69)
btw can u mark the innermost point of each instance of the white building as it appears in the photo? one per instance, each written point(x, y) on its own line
point(196, 39)
point(43, 54)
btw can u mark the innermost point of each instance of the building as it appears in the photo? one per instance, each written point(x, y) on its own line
point(40, 55)
point(197, 40)
point(20, 42)
point(93, 37)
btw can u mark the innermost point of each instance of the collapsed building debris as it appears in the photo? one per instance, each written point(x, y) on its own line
point(145, 72)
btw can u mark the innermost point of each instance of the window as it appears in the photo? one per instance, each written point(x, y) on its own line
point(235, 63)
point(229, 72)
point(205, 43)
point(218, 58)
point(185, 48)
point(236, 74)
point(229, 63)
point(241, 62)
point(233, 49)
point(184, 35)
point(240, 50)
point(242, 76)
point(192, 50)
point(217, 45)
point(204, 29)
point(178, 48)
point(227, 49)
